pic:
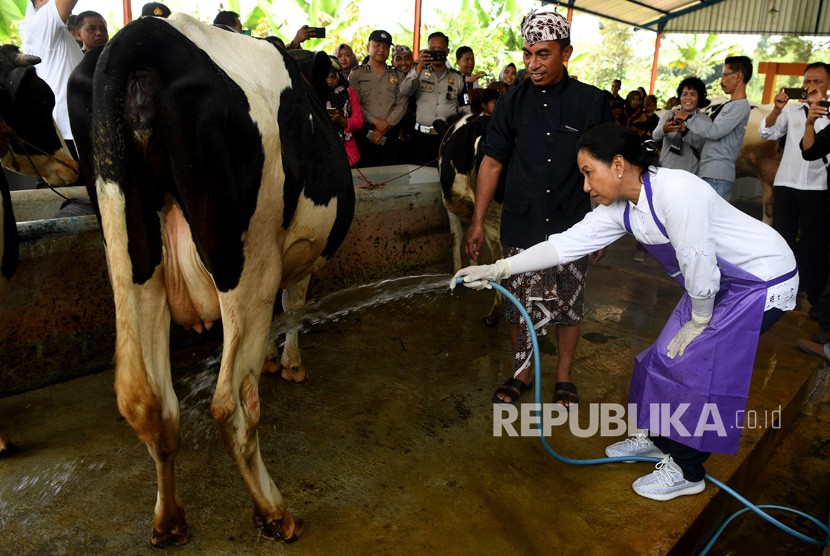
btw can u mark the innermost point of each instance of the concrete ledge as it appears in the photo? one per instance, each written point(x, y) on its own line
point(57, 319)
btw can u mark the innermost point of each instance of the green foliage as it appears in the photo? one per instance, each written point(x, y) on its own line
point(790, 49)
point(490, 28)
point(11, 12)
point(611, 59)
point(680, 56)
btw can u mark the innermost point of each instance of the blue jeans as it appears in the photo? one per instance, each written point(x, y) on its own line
point(722, 187)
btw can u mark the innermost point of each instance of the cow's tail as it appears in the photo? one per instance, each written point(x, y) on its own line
point(125, 93)
point(127, 119)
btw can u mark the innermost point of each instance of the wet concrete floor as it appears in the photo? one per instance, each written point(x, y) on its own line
point(389, 448)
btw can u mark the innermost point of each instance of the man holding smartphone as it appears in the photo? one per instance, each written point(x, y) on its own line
point(382, 101)
point(724, 133)
point(815, 145)
point(800, 204)
point(439, 92)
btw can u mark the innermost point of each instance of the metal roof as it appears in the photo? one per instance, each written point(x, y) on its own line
point(761, 17)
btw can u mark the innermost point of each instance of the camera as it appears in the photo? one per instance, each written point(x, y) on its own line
point(437, 55)
point(824, 103)
point(319, 32)
point(795, 93)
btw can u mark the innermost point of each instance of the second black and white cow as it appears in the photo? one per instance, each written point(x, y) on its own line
point(219, 179)
point(460, 156)
point(29, 144)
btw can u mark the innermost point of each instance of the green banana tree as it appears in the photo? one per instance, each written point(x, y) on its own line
point(491, 29)
point(11, 12)
point(700, 55)
point(335, 15)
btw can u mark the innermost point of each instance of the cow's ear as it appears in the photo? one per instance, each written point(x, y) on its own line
point(28, 60)
point(18, 80)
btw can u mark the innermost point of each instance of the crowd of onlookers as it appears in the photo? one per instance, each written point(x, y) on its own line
point(385, 108)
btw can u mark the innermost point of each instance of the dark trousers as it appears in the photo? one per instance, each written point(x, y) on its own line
point(424, 149)
point(821, 309)
point(690, 460)
point(378, 155)
point(801, 219)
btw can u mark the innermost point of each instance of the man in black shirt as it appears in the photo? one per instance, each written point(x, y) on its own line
point(532, 137)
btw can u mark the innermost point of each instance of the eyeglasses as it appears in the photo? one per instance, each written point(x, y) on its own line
point(728, 73)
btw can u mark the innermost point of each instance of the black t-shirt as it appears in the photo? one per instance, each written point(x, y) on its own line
point(534, 131)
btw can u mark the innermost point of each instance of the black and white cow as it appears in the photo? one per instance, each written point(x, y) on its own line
point(458, 161)
point(29, 144)
point(219, 179)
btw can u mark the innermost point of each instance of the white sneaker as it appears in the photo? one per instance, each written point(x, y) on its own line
point(640, 445)
point(666, 482)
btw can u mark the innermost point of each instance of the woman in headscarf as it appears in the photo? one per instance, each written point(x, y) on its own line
point(633, 113)
point(343, 107)
point(508, 75)
point(346, 58)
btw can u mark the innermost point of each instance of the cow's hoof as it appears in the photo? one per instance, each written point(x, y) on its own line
point(286, 530)
point(490, 321)
point(177, 537)
point(8, 449)
point(294, 374)
point(271, 366)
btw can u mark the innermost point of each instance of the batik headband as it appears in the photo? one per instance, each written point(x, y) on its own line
point(544, 25)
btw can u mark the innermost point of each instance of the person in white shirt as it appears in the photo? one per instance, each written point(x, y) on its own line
point(739, 277)
point(800, 205)
point(44, 34)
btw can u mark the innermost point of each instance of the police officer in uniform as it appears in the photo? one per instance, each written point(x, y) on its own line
point(439, 92)
point(378, 87)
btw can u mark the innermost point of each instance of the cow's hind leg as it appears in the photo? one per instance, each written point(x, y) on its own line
point(457, 238)
point(143, 384)
point(492, 238)
point(147, 400)
point(236, 406)
point(7, 447)
point(291, 364)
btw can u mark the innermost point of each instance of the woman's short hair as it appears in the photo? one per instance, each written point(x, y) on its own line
point(696, 84)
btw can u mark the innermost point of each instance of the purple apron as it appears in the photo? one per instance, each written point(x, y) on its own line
point(699, 398)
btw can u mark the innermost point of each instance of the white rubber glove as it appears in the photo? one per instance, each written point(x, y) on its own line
point(687, 333)
point(478, 277)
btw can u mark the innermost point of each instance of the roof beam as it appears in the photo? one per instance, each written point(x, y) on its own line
point(679, 13)
point(572, 5)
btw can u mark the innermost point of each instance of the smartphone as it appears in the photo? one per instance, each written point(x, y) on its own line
point(370, 134)
point(437, 55)
point(825, 103)
point(319, 32)
point(795, 93)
